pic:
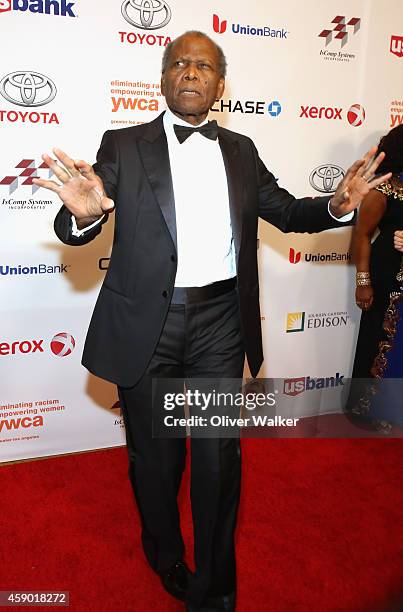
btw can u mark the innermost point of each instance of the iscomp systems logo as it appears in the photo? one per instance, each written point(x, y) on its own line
point(148, 15)
point(220, 26)
point(42, 7)
point(326, 177)
point(28, 171)
point(355, 114)
point(257, 107)
point(340, 32)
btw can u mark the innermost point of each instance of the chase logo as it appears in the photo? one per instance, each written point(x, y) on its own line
point(47, 7)
point(274, 108)
point(295, 322)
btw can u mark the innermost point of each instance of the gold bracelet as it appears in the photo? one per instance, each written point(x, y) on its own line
point(363, 282)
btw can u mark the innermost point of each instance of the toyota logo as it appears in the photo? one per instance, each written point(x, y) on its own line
point(146, 14)
point(27, 88)
point(324, 177)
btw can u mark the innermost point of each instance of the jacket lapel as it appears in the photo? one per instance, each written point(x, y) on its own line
point(153, 148)
point(233, 168)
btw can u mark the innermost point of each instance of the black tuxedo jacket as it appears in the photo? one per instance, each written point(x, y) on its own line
point(134, 299)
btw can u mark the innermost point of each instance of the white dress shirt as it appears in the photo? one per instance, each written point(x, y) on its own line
point(206, 252)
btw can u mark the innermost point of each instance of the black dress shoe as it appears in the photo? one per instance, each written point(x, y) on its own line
point(176, 580)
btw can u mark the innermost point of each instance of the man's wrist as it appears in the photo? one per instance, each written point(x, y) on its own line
point(86, 221)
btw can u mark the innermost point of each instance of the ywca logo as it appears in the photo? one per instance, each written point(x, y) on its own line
point(396, 45)
point(339, 30)
point(27, 88)
point(295, 322)
point(146, 14)
point(325, 178)
point(28, 171)
point(62, 344)
point(219, 27)
point(53, 7)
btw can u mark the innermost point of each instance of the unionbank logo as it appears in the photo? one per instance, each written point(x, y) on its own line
point(295, 257)
point(295, 322)
point(355, 114)
point(295, 386)
point(396, 45)
point(62, 344)
point(41, 269)
point(220, 26)
point(44, 7)
point(300, 321)
point(260, 107)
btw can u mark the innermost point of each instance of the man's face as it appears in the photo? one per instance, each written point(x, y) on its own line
point(192, 82)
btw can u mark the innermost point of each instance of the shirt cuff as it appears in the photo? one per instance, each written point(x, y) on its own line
point(79, 232)
point(344, 218)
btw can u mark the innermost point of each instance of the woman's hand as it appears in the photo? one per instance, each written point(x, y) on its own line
point(364, 296)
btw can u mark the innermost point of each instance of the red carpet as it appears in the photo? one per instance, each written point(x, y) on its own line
point(320, 529)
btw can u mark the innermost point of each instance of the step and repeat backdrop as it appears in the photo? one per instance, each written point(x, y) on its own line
point(314, 84)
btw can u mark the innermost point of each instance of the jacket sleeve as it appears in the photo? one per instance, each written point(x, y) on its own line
point(107, 168)
point(289, 214)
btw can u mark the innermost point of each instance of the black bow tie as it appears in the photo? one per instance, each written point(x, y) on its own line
point(209, 130)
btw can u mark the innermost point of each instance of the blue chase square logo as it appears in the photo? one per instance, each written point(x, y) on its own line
point(274, 108)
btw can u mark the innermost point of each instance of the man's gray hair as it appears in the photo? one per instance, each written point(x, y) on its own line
point(222, 62)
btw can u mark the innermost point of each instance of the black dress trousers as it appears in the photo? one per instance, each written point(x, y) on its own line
point(199, 340)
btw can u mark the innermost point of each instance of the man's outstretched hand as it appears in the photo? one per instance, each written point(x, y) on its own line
point(81, 190)
point(358, 182)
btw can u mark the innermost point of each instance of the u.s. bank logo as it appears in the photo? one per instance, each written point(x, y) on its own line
point(326, 177)
point(146, 14)
point(295, 322)
point(27, 88)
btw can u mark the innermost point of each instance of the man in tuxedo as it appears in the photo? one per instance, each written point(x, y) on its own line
point(181, 296)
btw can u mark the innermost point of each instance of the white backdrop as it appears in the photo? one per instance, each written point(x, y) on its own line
point(103, 70)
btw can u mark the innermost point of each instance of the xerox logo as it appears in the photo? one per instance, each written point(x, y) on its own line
point(220, 26)
point(295, 386)
point(355, 114)
point(39, 269)
point(62, 344)
point(273, 109)
point(326, 177)
point(294, 257)
point(47, 7)
point(396, 45)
